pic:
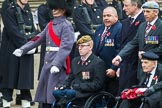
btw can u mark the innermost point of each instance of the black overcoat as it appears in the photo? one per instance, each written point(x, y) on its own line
point(16, 72)
point(80, 17)
point(153, 99)
point(140, 43)
point(90, 76)
point(128, 67)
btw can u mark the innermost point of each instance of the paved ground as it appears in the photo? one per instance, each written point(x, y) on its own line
point(36, 63)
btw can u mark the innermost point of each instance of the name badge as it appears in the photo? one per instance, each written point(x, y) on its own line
point(151, 40)
point(85, 75)
point(109, 42)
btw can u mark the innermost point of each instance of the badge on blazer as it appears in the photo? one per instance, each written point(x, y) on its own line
point(109, 42)
point(85, 75)
point(151, 40)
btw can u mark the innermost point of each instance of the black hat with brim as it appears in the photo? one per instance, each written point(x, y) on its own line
point(150, 56)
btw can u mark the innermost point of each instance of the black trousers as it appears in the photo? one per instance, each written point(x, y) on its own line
point(45, 105)
point(25, 94)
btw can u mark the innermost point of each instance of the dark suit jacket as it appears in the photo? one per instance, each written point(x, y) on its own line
point(153, 99)
point(139, 42)
point(156, 97)
point(128, 67)
point(104, 51)
point(90, 76)
point(158, 73)
point(108, 50)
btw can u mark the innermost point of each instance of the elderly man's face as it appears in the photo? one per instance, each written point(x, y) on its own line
point(148, 65)
point(129, 8)
point(150, 14)
point(109, 18)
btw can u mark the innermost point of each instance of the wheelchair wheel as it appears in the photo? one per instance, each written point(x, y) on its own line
point(101, 100)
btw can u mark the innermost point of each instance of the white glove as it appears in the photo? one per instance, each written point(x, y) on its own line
point(18, 52)
point(76, 36)
point(54, 69)
point(31, 51)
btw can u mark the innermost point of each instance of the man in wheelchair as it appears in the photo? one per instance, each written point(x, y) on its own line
point(148, 94)
point(87, 75)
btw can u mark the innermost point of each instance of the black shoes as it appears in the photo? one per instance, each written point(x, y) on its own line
point(18, 101)
point(1, 103)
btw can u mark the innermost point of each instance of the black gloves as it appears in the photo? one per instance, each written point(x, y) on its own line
point(76, 86)
point(149, 91)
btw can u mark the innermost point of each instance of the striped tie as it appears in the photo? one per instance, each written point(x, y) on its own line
point(147, 29)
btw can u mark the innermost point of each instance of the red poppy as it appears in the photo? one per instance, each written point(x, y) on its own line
point(131, 94)
point(136, 23)
point(155, 78)
point(108, 34)
point(153, 27)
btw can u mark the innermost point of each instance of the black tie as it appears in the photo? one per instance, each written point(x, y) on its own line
point(131, 20)
point(147, 78)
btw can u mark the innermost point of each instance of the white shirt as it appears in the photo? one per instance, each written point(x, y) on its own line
point(152, 23)
point(151, 77)
point(136, 15)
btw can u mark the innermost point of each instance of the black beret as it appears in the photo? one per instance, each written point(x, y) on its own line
point(68, 5)
point(150, 56)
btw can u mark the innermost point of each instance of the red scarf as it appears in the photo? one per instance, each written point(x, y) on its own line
point(57, 41)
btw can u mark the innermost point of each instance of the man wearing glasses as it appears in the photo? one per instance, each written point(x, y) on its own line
point(87, 74)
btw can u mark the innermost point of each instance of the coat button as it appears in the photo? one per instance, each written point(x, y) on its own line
point(46, 62)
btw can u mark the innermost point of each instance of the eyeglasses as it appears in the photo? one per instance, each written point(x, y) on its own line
point(82, 45)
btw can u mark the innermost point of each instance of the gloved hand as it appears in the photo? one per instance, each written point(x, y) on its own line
point(54, 69)
point(149, 91)
point(76, 86)
point(31, 51)
point(18, 52)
